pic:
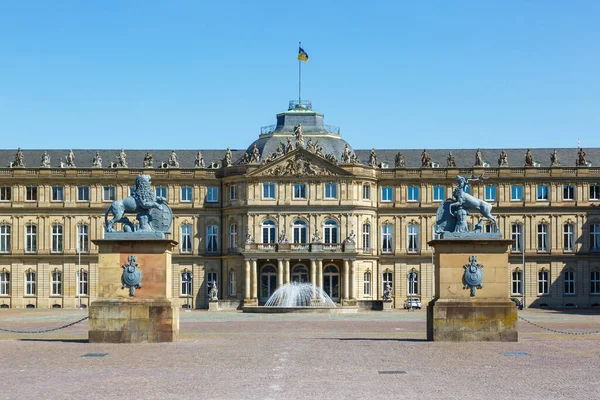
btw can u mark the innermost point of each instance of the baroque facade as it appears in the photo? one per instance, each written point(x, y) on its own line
point(300, 205)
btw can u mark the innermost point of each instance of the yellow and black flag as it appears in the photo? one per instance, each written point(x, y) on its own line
point(302, 56)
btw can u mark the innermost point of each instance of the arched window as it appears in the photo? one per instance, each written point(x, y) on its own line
point(57, 239)
point(543, 282)
point(299, 274)
point(413, 238)
point(212, 235)
point(56, 283)
point(211, 278)
point(4, 283)
point(300, 231)
point(413, 283)
point(331, 282)
point(387, 279)
point(386, 238)
point(233, 236)
point(186, 282)
point(569, 278)
point(4, 238)
point(517, 282)
point(367, 283)
point(595, 237)
point(569, 237)
point(330, 231)
point(269, 231)
point(82, 282)
point(366, 236)
point(516, 234)
point(30, 238)
point(268, 282)
point(594, 282)
point(542, 237)
point(83, 242)
point(30, 283)
point(232, 287)
point(186, 238)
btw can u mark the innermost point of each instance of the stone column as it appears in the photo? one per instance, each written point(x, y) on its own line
point(279, 273)
point(352, 278)
point(247, 283)
point(313, 272)
point(346, 279)
point(286, 271)
point(320, 274)
point(254, 281)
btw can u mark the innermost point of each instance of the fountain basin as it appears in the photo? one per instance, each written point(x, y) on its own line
point(306, 310)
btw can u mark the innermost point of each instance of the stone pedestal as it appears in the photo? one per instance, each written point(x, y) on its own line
point(387, 305)
point(149, 315)
point(213, 305)
point(455, 315)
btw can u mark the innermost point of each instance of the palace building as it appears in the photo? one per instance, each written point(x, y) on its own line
point(300, 204)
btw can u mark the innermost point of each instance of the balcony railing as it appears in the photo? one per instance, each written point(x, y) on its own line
point(300, 248)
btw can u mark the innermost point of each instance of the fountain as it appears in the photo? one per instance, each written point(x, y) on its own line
point(299, 297)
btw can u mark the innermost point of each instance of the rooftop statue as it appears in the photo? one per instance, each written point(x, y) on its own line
point(346, 154)
point(528, 159)
point(298, 133)
point(199, 162)
point(425, 160)
point(399, 160)
point(19, 159)
point(478, 158)
point(289, 147)
point(450, 161)
point(554, 160)
point(148, 160)
point(373, 158)
point(227, 159)
point(122, 163)
point(45, 160)
point(255, 158)
point(581, 162)
point(152, 212)
point(173, 161)
point(97, 161)
point(452, 214)
point(70, 160)
point(503, 159)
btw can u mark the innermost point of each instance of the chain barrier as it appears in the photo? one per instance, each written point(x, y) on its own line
point(46, 330)
point(557, 331)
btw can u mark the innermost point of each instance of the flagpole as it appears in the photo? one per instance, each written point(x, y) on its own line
point(299, 76)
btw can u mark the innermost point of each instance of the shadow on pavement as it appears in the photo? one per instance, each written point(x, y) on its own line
point(378, 339)
point(55, 340)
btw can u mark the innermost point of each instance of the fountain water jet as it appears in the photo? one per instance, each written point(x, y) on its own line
point(297, 294)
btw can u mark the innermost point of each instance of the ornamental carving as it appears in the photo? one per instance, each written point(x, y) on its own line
point(299, 166)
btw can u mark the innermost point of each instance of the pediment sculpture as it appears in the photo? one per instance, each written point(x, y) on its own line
point(298, 166)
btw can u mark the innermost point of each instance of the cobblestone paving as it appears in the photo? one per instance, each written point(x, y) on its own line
point(230, 355)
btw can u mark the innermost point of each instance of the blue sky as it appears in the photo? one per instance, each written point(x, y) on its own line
point(207, 75)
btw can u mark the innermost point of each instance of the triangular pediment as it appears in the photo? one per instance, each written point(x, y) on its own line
point(300, 162)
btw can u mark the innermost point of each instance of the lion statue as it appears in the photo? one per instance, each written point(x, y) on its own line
point(140, 202)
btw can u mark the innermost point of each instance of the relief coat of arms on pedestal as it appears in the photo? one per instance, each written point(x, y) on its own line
point(473, 275)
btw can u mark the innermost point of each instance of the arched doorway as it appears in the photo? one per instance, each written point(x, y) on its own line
point(331, 282)
point(268, 282)
point(300, 273)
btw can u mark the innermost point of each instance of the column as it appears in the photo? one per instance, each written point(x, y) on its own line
point(352, 278)
point(279, 273)
point(286, 271)
point(247, 283)
point(346, 280)
point(313, 272)
point(320, 274)
point(254, 281)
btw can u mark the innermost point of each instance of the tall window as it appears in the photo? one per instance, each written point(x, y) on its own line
point(542, 193)
point(516, 193)
point(211, 279)
point(212, 194)
point(387, 194)
point(233, 192)
point(5, 193)
point(30, 239)
point(268, 190)
point(82, 283)
point(490, 192)
point(413, 284)
point(413, 238)
point(30, 283)
point(516, 234)
point(212, 234)
point(186, 194)
point(269, 231)
point(233, 236)
point(594, 192)
point(4, 283)
point(367, 283)
point(161, 191)
point(594, 282)
point(232, 287)
point(569, 282)
point(366, 192)
point(57, 238)
point(299, 191)
point(568, 192)
point(366, 236)
point(387, 280)
point(331, 231)
point(517, 282)
point(108, 193)
point(543, 282)
point(330, 191)
point(31, 193)
point(56, 283)
point(595, 237)
point(542, 237)
point(83, 193)
point(186, 283)
point(413, 193)
point(568, 237)
point(439, 193)
point(386, 238)
point(299, 231)
point(186, 238)
point(83, 238)
point(4, 238)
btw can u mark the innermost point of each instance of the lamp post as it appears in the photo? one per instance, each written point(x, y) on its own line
point(411, 277)
point(188, 277)
point(80, 272)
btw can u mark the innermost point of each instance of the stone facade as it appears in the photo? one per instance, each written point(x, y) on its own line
point(386, 213)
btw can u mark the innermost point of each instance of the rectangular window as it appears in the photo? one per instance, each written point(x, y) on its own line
point(413, 239)
point(595, 237)
point(387, 194)
point(568, 237)
point(594, 282)
point(5, 193)
point(516, 193)
point(299, 191)
point(56, 283)
point(57, 239)
point(366, 237)
point(233, 192)
point(83, 193)
point(31, 193)
point(330, 191)
point(568, 193)
point(490, 192)
point(186, 283)
point(387, 280)
point(212, 194)
point(4, 283)
point(366, 192)
point(517, 282)
point(543, 282)
point(83, 238)
point(439, 193)
point(30, 283)
point(386, 238)
point(542, 193)
point(82, 283)
point(516, 234)
point(211, 279)
point(186, 238)
point(161, 192)
point(232, 286)
point(30, 239)
point(542, 237)
point(413, 193)
point(186, 194)
point(413, 283)
point(57, 193)
point(268, 190)
point(367, 283)
point(233, 236)
point(108, 193)
point(212, 232)
point(569, 282)
point(4, 238)
point(594, 192)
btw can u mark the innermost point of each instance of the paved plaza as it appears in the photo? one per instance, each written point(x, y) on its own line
point(230, 355)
